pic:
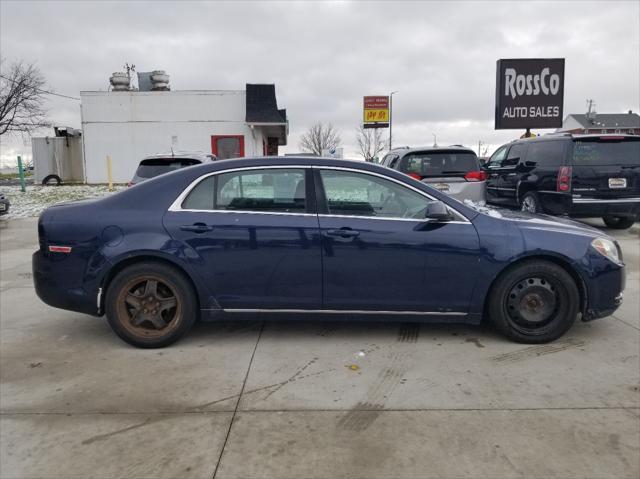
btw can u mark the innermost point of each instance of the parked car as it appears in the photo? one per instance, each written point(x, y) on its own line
point(454, 170)
point(317, 237)
point(574, 175)
point(156, 165)
point(4, 204)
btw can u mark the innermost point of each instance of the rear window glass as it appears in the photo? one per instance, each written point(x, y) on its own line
point(153, 168)
point(429, 164)
point(606, 152)
point(546, 153)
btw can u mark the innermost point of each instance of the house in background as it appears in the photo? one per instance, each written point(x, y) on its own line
point(600, 123)
point(128, 124)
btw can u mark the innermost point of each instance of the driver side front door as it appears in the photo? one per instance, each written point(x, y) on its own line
point(379, 254)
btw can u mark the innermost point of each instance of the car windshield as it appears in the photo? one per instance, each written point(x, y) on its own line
point(606, 152)
point(152, 168)
point(441, 163)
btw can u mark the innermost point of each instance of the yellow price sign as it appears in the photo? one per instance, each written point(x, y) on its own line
point(380, 115)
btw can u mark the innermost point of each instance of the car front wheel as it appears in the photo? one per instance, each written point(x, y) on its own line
point(618, 222)
point(534, 302)
point(150, 305)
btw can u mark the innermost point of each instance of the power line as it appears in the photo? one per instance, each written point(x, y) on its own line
point(44, 91)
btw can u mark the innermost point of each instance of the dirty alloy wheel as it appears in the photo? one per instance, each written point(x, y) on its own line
point(618, 222)
point(150, 305)
point(530, 203)
point(534, 302)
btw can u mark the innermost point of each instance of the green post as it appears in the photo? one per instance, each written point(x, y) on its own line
point(21, 173)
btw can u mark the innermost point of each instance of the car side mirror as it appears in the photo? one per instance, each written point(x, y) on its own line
point(437, 210)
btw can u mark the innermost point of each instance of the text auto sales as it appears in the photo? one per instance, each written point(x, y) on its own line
point(518, 85)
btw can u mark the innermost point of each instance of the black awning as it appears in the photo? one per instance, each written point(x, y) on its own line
point(262, 106)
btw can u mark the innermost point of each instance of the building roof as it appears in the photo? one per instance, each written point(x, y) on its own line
point(608, 120)
point(262, 106)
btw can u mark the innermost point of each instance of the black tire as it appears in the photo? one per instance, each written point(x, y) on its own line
point(534, 302)
point(618, 222)
point(50, 180)
point(531, 202)
point(137, 309)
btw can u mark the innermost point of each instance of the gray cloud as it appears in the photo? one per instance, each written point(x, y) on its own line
point(323, 57)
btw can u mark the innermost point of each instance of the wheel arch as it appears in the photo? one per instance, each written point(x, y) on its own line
point(563, 262)
point(129, 260)
point(523, 188)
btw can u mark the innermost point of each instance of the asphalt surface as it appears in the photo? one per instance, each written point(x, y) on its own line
point(309, 399)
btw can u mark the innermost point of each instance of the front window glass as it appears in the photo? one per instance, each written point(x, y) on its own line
point(497, 157)
point(515, 153)
point(358, 194)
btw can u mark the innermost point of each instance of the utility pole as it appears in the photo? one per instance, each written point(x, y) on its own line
point(391, 117)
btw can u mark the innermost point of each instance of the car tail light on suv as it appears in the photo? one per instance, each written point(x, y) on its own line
point(476, 176)
point(415, 176)
point(563, 182)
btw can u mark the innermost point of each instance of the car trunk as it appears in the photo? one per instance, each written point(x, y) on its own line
point(606, 167)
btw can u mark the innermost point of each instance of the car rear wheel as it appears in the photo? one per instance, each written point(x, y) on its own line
point(531, 203)
point(618, 222)
point(534, 302)
point(150, 305)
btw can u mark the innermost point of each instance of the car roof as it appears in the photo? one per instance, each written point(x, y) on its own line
point(181, 155)
point(432, 149)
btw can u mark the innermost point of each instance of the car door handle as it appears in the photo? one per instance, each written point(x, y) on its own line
point(197, 228)
point(342, 233)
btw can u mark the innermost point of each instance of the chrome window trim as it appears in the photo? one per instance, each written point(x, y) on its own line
point(346, 311)
point(177, 204)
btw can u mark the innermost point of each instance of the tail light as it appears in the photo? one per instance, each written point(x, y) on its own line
point(476, 176)
point(563, 182)
point(415, 176)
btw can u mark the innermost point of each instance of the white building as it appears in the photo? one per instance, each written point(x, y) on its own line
point(129, 125)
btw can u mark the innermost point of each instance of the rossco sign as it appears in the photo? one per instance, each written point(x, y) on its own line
point(529, 93)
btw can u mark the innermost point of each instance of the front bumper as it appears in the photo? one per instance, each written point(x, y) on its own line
point(604, 286)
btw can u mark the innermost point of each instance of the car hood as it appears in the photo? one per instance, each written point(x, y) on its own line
point(525, 220)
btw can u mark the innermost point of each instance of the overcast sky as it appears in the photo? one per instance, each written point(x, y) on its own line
point(323, 57)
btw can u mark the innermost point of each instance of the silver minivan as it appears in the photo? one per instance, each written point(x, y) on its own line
point(454, 170)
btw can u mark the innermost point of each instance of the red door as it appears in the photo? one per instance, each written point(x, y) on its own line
point(227, 146)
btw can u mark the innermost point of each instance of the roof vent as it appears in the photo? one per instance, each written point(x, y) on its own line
point(120, 81)
point(159, 80)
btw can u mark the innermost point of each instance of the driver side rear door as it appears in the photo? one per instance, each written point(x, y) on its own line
point(379, 254)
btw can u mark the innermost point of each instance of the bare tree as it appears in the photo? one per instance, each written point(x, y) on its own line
point(370, 142)
point(21, 99)
point(320, 137)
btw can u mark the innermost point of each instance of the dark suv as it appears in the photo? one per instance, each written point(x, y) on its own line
point(576, 175)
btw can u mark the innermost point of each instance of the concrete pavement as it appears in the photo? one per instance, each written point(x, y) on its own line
point(317, 399)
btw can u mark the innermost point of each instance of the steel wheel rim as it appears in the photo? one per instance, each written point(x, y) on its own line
point(529, 204)
point(148, 307)
point(532, 304)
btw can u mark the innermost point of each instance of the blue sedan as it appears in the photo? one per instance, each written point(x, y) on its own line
point(317, 237)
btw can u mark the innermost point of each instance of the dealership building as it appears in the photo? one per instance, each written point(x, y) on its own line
point(129, 124)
